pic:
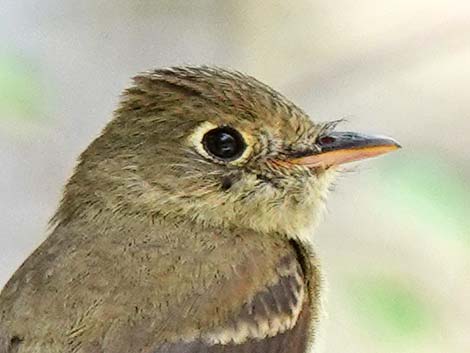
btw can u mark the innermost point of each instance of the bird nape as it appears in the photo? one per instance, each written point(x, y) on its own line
point(186, 226)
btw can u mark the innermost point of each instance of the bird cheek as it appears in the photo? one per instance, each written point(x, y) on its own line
point(226, 183)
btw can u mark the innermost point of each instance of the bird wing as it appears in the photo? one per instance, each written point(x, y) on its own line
point(247, 293)
point(274, 320)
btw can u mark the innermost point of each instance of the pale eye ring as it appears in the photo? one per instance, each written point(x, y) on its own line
point(224, 143)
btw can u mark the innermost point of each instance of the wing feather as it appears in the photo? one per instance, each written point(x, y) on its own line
point(275, 320)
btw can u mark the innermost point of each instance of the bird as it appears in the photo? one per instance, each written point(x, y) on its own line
point(187, 225)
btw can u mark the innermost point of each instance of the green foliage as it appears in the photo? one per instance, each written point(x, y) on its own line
point(430, 191)
point(389, 310)
point(20, 89)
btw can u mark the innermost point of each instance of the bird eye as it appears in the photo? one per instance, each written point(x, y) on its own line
point(224, 143)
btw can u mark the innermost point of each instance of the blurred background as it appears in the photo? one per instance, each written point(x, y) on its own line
point(395, 243)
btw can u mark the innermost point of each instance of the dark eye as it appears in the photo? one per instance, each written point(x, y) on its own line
point(224, 143)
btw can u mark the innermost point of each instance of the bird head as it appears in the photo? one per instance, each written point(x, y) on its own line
point(213, 147)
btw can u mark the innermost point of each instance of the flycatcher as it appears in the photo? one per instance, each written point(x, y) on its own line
point(186, 226)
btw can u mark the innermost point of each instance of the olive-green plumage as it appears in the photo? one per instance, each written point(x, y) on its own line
point(173, 239)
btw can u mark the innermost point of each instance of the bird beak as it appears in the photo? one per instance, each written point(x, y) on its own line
point(337, 148)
